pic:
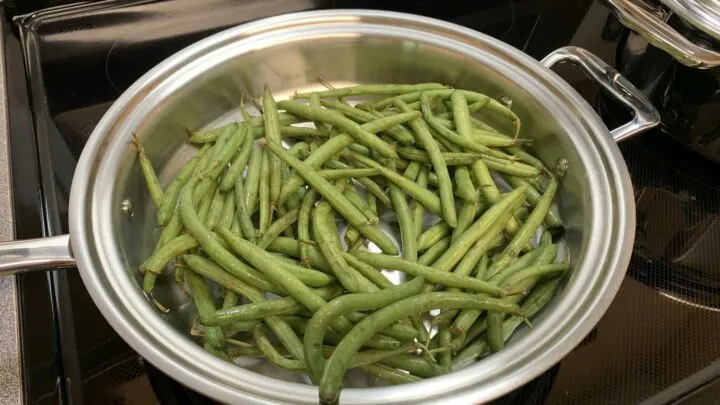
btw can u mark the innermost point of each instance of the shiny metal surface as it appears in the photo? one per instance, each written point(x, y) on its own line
point(35, 254)
point(702, 14)
point(648, 20)
point(618, 87)
point(201, 86)
point(11, 377)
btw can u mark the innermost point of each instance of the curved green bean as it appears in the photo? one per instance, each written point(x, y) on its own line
point(331, 380)
point(312, 343)
point(260, 310)
point(425, 139)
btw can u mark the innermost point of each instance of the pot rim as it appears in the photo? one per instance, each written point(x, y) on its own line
point(126, 309)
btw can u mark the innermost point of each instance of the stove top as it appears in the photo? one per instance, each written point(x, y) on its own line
point(660, 330)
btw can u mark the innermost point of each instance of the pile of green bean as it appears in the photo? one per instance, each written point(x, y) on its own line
point(260, 219)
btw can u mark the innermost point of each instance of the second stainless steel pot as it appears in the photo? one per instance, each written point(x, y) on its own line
point(111, 217)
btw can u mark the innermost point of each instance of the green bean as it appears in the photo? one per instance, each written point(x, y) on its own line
point(215, 210)
point(498, 212)
point(492, 195)
point(228, 211)
point(224, 152)
point(466, 318)
point(272, 134)
point(260, 310)
point(352, 195)
point(204, 204)
point(463, 184)
point(370, 272)
point(522, 262)
point(264, 193)
point(412, 171)
point(289, 131)
point(434, 252)
point(242, 215)
point(345, 173)
point(174, 247)
point(374, 89)
point(212, 135)
point(463, 159)
point(170, 231)
point(282, 330)
point(425, 139)
point(433, 234)
point(370, 186)
point(537, 299)
point(390, 374)
point(326, 235)
point(418, 213)
point(466, 217)
point(397, 132)
point(511, 168)
point(229, 299)
point(444, 357)
point(337, 200)
point(291, 247)
point(361, 149)
point(309, 277)
point(273, 268)
point(238, 164)
point(204, 303)
point(214, 249)
point(405, 221)
point(167, 207)
point(527, 230)
point(268, 350)
point(333, 337)
point(252, 179)
point(308, 202)
point(552, 220)
point(337, 363)
point(431, 274)
point(421, 194)
point(277, 227)
point(151, 179)
point(461, 115)
point(350, 127)
point(314, 336)
point(336, 144)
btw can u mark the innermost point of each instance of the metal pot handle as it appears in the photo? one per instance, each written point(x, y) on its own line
point(35, 254)
point(646, 116)
point(646, 20)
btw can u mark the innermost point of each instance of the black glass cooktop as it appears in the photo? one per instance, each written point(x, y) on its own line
point(68, 63)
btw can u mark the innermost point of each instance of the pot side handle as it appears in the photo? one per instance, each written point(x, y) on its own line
point(616, 85)
point(35, 254)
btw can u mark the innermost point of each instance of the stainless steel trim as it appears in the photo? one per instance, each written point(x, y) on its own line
point(11, 381)
point(646, 116)
point(645, 20)
point(35, 254)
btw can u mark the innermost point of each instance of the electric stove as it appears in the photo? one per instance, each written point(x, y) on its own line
point(67, 63)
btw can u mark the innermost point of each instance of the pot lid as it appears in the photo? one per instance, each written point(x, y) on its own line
point(702, 14)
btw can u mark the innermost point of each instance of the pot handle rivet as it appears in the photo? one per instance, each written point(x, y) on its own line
point(126, 207)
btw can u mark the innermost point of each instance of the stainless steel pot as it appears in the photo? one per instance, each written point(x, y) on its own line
point(111, 226)
point(672, 54)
